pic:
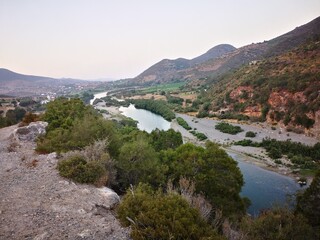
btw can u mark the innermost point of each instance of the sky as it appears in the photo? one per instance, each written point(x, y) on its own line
point(94, 39)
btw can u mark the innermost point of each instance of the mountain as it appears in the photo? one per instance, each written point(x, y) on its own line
point(169, 70)
point(226, 58)
point(17, 84)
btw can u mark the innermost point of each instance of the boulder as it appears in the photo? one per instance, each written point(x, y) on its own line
point(30, 132)
point(110, 197)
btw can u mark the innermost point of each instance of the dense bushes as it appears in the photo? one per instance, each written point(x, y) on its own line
point(156, 106)
point(199, 135)
point(303, 156)
point(183, 123)
point(250, 134)
point(228, 128)
point(277, 224)
point(12, 117)
point(72, 126)
point(155, 215)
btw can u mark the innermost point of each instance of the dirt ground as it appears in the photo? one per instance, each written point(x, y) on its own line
point(36, 203)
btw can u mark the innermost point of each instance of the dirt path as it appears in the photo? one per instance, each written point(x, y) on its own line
point(36, 203)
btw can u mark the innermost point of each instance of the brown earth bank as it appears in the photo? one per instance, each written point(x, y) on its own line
point(37, 203)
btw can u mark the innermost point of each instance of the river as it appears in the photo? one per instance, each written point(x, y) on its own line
point(147, 120)
point(264, 188)
point(98, 95)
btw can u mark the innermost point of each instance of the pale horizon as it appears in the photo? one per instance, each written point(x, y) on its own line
point(102, 39)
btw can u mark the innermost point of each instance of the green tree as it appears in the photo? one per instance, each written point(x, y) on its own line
point(138, 162)
point(215, 174)
point(162, 140)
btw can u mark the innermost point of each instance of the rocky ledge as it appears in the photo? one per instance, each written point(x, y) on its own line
point(37, 203)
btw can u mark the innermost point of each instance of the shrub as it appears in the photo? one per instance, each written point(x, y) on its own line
point(250, 134)
point(199, 135)
point(79, 170)
point(228, 128)
point(28, 118)
point(183, 123)
point(277, 224)
point(90, 165)
point(155, 215)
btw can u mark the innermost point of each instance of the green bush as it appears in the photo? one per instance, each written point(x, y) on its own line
point(228, 128)
point(183, 123)
point(79, 170)
point(277, 224)
point(199, 135)
point(250, 134)
point(155, 215)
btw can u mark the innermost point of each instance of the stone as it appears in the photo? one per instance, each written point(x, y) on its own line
point(111, 197)
point(30, 132)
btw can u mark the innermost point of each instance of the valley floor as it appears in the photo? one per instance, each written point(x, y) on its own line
point(253, 155)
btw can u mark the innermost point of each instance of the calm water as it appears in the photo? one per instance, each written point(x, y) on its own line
point(147, 120)
point(264, 188)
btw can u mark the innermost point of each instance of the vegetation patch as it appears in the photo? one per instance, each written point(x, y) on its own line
point(183, 123)
point(199, 135)
point(251, 134)
point(228, 128)
point(302, 156)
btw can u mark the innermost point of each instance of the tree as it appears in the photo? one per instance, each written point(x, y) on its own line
point(215, 174)
point(162, 140)
point(138, 162)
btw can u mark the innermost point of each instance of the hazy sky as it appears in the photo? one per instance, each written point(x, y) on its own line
point(91, 39)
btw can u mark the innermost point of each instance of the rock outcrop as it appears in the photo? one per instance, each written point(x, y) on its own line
point(30, 132)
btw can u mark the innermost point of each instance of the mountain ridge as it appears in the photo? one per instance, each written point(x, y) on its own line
point(166, 69)
point(229, 60)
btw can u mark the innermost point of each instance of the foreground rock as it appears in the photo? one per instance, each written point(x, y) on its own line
point(36, 203)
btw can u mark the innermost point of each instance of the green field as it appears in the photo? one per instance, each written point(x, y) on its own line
point(163, 87)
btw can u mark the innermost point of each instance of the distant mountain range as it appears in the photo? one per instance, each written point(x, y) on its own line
point(223, 58)
point(16, 84)
point(7, 77)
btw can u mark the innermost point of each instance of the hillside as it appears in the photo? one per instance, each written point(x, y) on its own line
point(210, 67)
point(173, 70)
point(17, 84)
point(281, 89)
